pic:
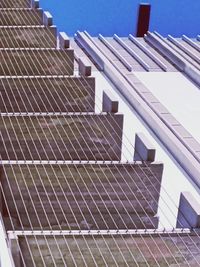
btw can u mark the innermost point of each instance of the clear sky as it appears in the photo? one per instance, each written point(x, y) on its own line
point(175, 17)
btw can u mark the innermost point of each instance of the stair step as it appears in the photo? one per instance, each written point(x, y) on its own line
point(125, 195)
point(36, 62)
point(47, 94)
point(28, 37)
point(21, 17)
point(70, 137)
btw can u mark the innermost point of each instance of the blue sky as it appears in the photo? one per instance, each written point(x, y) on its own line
point(175, 17)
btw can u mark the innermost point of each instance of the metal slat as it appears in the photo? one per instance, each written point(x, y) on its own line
point(132, 53)
point(180, 62)
point(190, 42)
point(184, 49)
point(116, 53)
point(148, 52)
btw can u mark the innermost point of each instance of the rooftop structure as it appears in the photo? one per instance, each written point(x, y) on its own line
point(89, 152)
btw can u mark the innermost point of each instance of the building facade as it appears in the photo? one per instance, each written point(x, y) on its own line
point(98, 165)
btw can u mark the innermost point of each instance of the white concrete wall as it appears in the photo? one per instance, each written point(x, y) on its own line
point(180, 96)
point(175, 180)
point(5, 256)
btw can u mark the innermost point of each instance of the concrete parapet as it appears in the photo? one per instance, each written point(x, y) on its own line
point(189, 211)
point(85, 68)
point(109, 105)
point(47, 19)
point(35, 3)
point(64, 41)
point(144, 150)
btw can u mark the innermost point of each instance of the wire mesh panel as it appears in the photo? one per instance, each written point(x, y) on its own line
point(52, 94)
point(81, 196)
point(17, 17)
point(15, 4)
point(36, 62)
point(28, 37)
point(75, 137)
point(152, 251)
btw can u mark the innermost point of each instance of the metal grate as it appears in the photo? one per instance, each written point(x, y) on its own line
point(20, 17)
point(69, 137)
point(47, 94)
point(108, 251)
point(81, 196)
point(27, 37)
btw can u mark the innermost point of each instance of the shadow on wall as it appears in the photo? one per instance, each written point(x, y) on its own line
point(116, 16)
